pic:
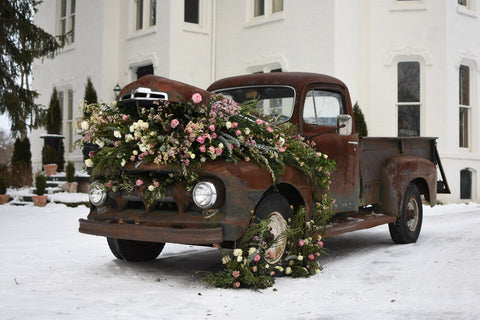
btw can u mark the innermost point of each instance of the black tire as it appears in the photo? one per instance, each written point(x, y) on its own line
point(276, 208)
point(407, 227)
point(135, 251)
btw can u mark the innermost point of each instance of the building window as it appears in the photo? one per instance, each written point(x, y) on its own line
point(464, 108)
point(265, 8)
point(192, 11)
point(463, 2)
point(144, 70)
point(66, 21)
point(408, 97)
point(153, 13)
point(139, 15)
point(465, 184)
point(145, 14)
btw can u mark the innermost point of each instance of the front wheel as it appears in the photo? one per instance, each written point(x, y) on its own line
point(135, 251)
point(407, 227)
point(276, 209)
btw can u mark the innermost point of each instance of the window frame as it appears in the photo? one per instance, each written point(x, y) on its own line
point(403, 104)
point(464, 108)
point(65, 22)
point(269, 15)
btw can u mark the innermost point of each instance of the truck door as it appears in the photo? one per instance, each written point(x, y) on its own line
point(320, 110)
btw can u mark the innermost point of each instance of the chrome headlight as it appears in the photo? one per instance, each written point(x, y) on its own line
point(205, 194)
point(97, 194)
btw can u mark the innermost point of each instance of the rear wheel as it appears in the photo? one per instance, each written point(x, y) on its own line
point(135, 251)
point(276, 209)
point(407, 227)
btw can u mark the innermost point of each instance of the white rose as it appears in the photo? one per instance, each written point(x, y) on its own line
point(251, 251)
point(151, 187)
point(247, 131)
point(84, 125)
point(89, 163)
point(100, 143)
point(228, 124)
point(123, 162)
point(117, 134)
point(237, 252)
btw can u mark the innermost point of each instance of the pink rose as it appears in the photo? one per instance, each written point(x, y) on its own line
point(197, 98)
point(281, 149)
point(259, 121)
point(124, 117)
point(218, 152)
point(311, 257)
point(238, 132)
point(174, 123)
point(201, 139)
point(236, 274)
point(234, 125)
point(211, 127)
point(256, 258)
point(301, 243)
point(211, 149)
point(254, 269)
point(202, 148)
point(214, 135)
point(269, 129)
point(139, 182)
point(236, 285)
point(109, 184)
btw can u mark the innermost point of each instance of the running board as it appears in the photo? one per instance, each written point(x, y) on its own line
point(356, 221)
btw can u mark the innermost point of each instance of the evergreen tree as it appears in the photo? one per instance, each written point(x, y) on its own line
point(21, 163)
point(90, 95)
point(360, 124)
point(21, 41)
point(54, 114)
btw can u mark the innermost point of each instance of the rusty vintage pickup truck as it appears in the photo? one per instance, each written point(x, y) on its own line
point(377, 181)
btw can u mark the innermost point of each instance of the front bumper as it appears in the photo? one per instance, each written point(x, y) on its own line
point(140, 232)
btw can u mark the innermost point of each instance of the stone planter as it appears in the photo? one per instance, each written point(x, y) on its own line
point(4, 198)
point(40, 201)
point(50, 169)
point(70, 187)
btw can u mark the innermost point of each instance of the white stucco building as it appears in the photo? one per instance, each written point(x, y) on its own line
point(412, 65)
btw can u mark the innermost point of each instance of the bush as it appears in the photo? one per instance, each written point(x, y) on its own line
point(21, 163)
point(50, 155)
point(3, 185)
point(360, 124)
point(40, 183)
point(54, 114)
point(70, 171)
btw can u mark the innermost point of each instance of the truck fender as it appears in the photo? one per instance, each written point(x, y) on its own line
point(397, 173)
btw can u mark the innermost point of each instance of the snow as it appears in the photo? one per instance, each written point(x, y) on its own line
point(50, 271)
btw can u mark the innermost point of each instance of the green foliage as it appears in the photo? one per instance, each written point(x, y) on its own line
point(40, 183)
point(50, 155)
point(21, 163)
point(360, 124)
point(21, 41)
point(89, 97)
point(3, 185)
point(70, 172)
point(60, 156)
point(54, 114)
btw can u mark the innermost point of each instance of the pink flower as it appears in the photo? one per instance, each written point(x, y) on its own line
point(254, 269)
point(259, 121)
point(301, 242)
point(218, 152)
point(256, 258)
point(124, 117)
point(214, 135)
point(211, 127)
point(236, 285)
point(156, 183)
point(197, 98)
point(109, 184)
point(269, 129)
point(238, 132)
point(281, 149)
point(234, 125)
point(311, 257)
point(236, 274)
point(211, 149)
point(91, 154)
point(320, 243)
point(201, 139)
point(139, 182)
point(174, 123)
point(202, 148)
point(271, 254)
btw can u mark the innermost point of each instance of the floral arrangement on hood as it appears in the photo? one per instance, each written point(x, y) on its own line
point(185, 135)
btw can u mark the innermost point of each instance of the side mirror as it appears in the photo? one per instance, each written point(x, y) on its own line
point(344, 124)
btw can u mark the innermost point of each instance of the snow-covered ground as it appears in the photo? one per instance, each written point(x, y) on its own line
point(50, 271)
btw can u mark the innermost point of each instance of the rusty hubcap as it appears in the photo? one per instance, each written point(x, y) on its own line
point(277, 226)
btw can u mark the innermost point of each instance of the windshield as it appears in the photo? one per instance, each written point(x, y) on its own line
point(273, 101)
